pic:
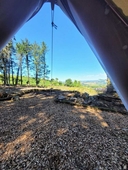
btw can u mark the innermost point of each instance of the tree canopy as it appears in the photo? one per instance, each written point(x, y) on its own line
point(23, 58)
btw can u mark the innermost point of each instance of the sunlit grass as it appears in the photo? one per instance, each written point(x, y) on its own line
point(90, 88)
point(82, 89)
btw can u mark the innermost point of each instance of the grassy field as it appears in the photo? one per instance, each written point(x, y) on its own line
point(90, 88)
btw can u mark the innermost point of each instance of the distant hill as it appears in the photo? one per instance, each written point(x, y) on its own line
point(100, 81)
point(98, 85)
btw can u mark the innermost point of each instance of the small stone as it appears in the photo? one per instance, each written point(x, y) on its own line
point(16, 98)
point(85, 96)
point(125, 167)
point(73, 99)
point(61, 97)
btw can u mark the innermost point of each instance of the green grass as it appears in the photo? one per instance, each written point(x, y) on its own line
point(89, 88)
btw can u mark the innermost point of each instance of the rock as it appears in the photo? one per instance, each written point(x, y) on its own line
point(125, 129)
point(3, 94)
point(73, 99)
point(16, 98)
point(80, 100)
point(93, 98)
point(87, 102)
point(105, 101)
point(101, 103)
point(69, 94)
point(61, 97)
point(85, 96)
point(77, 94)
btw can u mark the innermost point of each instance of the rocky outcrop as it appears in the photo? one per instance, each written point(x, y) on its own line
point(15, 94)
point(106, 101)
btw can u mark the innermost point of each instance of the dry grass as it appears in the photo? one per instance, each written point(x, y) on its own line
point(38, 134)
point(83, 89)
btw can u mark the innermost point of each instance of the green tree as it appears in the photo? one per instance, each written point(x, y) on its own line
point(3, 64)
point(69, 83)
point(6, 61)
point(37, 57)
point(76, 83)
point(27, 52)
point(44, 66)
point(55, 82)
point(60, 83)
point(39, 61)
point(12, 65)
point(19, 54)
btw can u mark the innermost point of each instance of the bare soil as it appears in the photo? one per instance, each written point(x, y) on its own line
point(38, 134)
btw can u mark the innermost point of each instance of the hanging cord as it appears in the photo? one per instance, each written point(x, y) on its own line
point(52, 39)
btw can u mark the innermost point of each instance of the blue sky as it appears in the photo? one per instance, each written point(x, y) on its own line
point(72, 57)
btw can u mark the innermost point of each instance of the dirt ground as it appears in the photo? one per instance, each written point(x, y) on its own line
point(38, 134)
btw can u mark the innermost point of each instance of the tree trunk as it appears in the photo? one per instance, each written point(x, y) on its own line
point(4, 71)
point(27, 63)
point(9, 73)
point(36, 78)
point(12, 73)
point(21, 75)
point(4, 75)
point(17, 77)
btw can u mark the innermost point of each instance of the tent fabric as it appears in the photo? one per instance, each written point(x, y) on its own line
point(103, 23)
point(120, 8)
